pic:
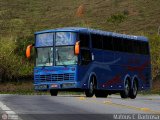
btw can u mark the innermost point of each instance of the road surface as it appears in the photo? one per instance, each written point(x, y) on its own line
point(68, 107)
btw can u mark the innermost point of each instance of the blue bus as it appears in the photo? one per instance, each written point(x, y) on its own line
point(97, 62)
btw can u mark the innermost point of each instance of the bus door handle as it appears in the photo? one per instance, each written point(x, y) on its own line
point(92, 57)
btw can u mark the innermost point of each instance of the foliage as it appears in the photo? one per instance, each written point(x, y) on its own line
point(116, 19)
point(21, 44)
point(12, 66)
point(155, 54)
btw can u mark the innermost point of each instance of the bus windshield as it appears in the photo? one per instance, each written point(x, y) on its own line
point(65, 55)
point(44, 56)
point(55, 49)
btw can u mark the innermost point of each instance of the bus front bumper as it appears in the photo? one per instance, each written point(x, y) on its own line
point(48, 86)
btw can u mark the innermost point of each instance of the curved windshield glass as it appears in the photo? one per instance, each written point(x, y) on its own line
point(45, 39)
point(65, 55)
point(44, 56)
point(65, 38)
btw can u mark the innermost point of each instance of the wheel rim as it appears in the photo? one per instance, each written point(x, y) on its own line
point(91, 87)
point(126, 88)
point(134, 88)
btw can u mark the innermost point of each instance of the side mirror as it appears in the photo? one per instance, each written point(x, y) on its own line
point(77, 48)
point(28, 51)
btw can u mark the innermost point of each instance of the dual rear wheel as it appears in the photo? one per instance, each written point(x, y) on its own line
point(134, 90)
point(129, 91)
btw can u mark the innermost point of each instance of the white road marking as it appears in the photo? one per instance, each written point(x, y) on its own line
point(7, 111)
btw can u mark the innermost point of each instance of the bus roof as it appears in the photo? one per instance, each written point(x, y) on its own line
point(81, 29)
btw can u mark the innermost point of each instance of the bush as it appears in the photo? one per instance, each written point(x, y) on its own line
point(154, 41)
point(21, 44)
point(12, 65)
point(116, 19)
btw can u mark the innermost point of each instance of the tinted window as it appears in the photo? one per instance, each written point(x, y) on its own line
point(140, 47)
point(144, 48)
point(107, 43)
point(128, 45)
point(136, 47)
point(118, 44)
point(84, 40)
point(85, 56)
point(96, 41)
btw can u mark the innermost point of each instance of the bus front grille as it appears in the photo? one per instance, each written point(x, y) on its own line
point(54, 77)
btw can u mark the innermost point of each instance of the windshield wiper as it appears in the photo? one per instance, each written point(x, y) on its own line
point(47, 60)
point(49, 57)
point(59, 58)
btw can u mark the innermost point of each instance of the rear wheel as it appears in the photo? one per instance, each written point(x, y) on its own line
point(53, 92)
point(134, 90)
point(90, 92)
point(125, 92)
point(101, 93)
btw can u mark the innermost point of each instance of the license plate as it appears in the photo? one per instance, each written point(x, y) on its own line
point(54, 86)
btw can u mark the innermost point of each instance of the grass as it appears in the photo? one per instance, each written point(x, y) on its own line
point(16, 88)
point(26, 88)
point(30, 16)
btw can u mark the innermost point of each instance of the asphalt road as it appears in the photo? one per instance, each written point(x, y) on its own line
point(45, 107)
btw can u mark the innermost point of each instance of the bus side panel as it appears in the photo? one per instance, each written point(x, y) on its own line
point(109, 79)
point(144, 73)
point(83, 75)
point(111, 70)
point(93, 68)
point(123, 65)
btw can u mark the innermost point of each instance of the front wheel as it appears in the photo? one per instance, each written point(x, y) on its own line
point(125, 92)
point(134, 90)
point(54, 92)
point(90, 92)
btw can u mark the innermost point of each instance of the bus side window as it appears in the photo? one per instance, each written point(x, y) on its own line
point(96, 41)
point(128, 45)
point(84, 40)
point(107, 43)
point(85, 56)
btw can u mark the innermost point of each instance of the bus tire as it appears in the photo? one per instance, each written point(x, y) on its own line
point(134, 90)
point(101, 94)
point(125, 92)
point(53, 92)
point(90, 92)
